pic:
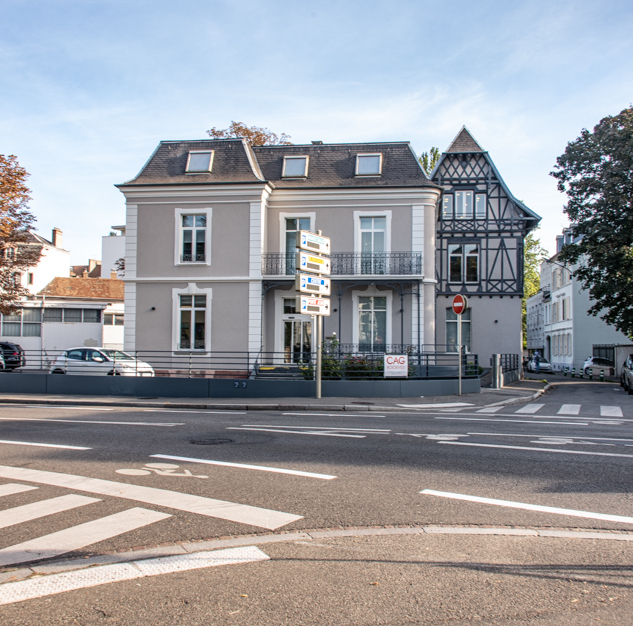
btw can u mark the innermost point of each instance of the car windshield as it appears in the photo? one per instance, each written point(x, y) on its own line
point(117, 355)
point(544, 360)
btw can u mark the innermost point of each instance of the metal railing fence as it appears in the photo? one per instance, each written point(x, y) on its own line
point(338, 364)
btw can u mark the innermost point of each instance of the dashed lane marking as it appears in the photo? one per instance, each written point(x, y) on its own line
point(530, 408)
point(45, 419)
point(514, 421)
point(261, 468)
point(42, 445)
point(569, 409)
point(530, 507)
point(80, 536)
point(491, 409)
point(36, 510)
point(611, 411)
point(491, 445)
point(298, 432)
point(231, 511)
point(105, 574)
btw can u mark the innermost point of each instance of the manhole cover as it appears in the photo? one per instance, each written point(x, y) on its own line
point(216, 441)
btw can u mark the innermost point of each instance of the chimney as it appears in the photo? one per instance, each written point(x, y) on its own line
point(57, 238)
point(113, 275)
point(85, 274)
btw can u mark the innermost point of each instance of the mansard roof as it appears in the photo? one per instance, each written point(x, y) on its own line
point(329, 165)
point(464, 142)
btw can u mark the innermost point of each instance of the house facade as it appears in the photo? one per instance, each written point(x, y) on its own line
point(567, 334)
point(210, 247)
point(479, 252)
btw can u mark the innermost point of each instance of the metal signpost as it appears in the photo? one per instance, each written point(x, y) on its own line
point(460, 305)
point(312, 257)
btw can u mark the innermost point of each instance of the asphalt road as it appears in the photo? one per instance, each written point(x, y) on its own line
point(560, 463)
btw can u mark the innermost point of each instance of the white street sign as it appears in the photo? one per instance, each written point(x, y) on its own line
point(396, 365)
point(314, 243)
point(305, 283)
point(307, 262)
point(313, 306)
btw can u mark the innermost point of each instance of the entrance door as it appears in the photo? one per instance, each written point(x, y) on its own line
point(297, 330)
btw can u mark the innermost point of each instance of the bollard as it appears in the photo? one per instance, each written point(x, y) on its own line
point(591, 373)
point(573, 372)
point(601, 376)
point(565, 370)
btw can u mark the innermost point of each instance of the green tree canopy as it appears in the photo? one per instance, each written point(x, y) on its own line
point(532, 255)
point(429, 160)
point(596, 173)
point(17, 253)
point(255, 135)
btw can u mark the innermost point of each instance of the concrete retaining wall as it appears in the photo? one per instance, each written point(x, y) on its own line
point(215, 388)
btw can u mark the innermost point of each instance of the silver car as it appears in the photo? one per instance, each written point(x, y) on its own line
point(99, 362)
point(627, 374)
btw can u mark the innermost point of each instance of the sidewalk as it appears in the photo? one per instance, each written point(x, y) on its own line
point(522, 391)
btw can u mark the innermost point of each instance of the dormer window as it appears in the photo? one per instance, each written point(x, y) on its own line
point(295, 167)
point(368, 164)
point(199, 161)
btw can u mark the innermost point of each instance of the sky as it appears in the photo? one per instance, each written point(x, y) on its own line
point(89, 87)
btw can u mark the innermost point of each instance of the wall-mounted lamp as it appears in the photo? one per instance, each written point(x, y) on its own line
point(153, 308)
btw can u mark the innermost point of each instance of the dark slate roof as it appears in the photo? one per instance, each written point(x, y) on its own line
point(231, 163)
point(330, 165)
point(464, 142)
point(334, 165)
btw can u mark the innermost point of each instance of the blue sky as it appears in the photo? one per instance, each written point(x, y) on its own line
point(89, 87)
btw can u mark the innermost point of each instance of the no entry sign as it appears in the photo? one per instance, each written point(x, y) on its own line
point(460, 304)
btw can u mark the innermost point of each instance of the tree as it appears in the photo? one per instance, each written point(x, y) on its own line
point(596, 173)
point(254, 135)
point(429, 160)
point(532, 255)
point(17, 252)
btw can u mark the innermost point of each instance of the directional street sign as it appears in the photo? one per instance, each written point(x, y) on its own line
point(307, 262)
point(460, 304)
point(313, 306)
point(306, 283)
point(314, 243)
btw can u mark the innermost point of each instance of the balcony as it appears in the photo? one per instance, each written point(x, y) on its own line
point(351, 264)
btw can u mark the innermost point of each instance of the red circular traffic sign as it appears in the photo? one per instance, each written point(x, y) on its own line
point(460, 304)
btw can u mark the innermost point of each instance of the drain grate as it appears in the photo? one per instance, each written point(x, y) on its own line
point(216, 441)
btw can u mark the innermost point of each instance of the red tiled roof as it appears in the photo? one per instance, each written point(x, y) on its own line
point(87, 288)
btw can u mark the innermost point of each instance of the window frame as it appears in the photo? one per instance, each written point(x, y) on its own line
point(358, 246)
point(468, 320)
point(472, 204)
point(293, 216)
point(463, 256)
point(360, 155)
point(191, 290)
point(179, 213)
point(211, 153)
point(484, 215)
point(295, 157)
point(448, 215)
point(22, 323)
point(369, 292)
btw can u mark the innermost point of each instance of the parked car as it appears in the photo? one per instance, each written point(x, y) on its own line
point(13, 355)
point(544, 365)
point(99, 362)
point(626, 379)
point(596, 361)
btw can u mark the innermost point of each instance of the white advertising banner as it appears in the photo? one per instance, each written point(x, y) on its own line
point(396, 366)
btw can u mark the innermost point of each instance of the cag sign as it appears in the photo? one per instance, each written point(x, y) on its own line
point(396, 366)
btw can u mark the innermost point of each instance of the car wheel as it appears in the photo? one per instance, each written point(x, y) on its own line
point(114, 373)
point(58, 372)
point(630, 390)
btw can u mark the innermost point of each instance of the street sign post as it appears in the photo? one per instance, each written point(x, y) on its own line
point(318, 285)
point(309, 305)
point(313, 243)
point(460, 305)
point(308, 262)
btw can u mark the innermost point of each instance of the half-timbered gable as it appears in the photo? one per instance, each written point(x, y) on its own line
point(480, 232)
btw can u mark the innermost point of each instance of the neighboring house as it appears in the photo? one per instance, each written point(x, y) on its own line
point(568, 335)
point(480, 239)
point(55, 261)
point(112, 250)
point(68, 312)
point(210, 247)
point(92, 270)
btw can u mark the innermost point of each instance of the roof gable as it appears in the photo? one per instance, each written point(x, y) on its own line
point(464, 142)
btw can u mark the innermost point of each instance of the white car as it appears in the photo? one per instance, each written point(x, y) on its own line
point(544, 366)
point(597, 363)
point(99, 362)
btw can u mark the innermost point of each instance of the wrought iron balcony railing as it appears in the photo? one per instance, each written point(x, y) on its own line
point(351, 264)
point(193, 258)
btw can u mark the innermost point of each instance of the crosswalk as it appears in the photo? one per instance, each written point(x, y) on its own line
point(569, 410)
point(79, 536)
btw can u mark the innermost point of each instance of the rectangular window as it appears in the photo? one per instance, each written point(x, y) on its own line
point(24, 323)
point(92, 316)
point(373, 237)
point(372, 323)
point(29, 278)
point(12, 324)
point(451, 330)
point(463, 263)
point(472, 262)
point(368, 164)
point(463, 204)
point(455, 258)
point(295, 167)
point(447, 207)
point(480, 206)
point(53, 315)
point(193, 310)
point(194, 231)
point(72, 315)
point(293, 225)
point(113, 319)
point(199, 161)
